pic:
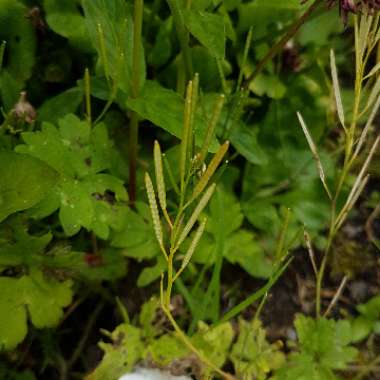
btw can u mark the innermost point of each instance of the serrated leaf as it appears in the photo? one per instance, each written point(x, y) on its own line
point(324, 347)
point(120, 356)
point(214, 342)
point(251, 355)
point(166, 349)
point(25, 181)
point(85, 197)
point(35, 296)
point(20, 248)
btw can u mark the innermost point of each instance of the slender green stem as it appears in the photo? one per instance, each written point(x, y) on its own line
point(190, 345)
point(87, 93)
point(276, 48)
point(108, 104)
point(134, 122)
point(349, 158)
point(183, 37)
point(86, 333)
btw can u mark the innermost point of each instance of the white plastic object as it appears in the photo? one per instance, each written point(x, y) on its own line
point(151, 374)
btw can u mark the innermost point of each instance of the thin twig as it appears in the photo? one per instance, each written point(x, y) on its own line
point(311, 252)
point(86, 333)
point(280, 44)
point(336, 296)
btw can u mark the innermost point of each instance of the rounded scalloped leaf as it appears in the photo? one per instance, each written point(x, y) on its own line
point(35, 296)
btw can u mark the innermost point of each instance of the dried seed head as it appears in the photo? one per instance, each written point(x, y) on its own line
point(23, 110)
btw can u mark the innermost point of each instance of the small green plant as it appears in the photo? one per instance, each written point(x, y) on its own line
point(194, 195)
point(324, 346)
point(366, 104)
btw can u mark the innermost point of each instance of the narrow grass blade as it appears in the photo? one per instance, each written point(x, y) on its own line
point(365, 166)
point(195, 215)
point(314, 151)
point(373, 71)
point(222, 75)
point(350, 203)
point(255, 296)
point(87, 93)
point(204, 180)
point(2, 51)
point(336, 296)
point(154, 212)
point(374, 94)
point(310, 250)
point(367, 127)
point(358, 186)
point(211, 129)
point(122, 310)
point(248, 42)
point(282, 237)
point(338, 98)
point(103, 54)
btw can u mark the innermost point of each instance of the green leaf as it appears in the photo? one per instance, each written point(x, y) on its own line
point(121, 356)
point(209, 29)
point(324, 347)
point(32, 296)
point(164, 108)
point(312, 33)
point(239, 246)
point(114, 39)
point(65, 19)
point(17, 31)
point(269, 85)
point(85, 197)
point(152, 273)
point(20, 248)
point(368, 319)
point(162, 48)
point(148, 316)
point(9, 374)
point(167, 349)
point(25, 181)
point(214, 342)
point(252, 356)
point(244, 140)
point(57, 107)
point(260, 14)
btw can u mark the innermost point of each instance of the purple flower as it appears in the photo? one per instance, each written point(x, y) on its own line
point(352, 6)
